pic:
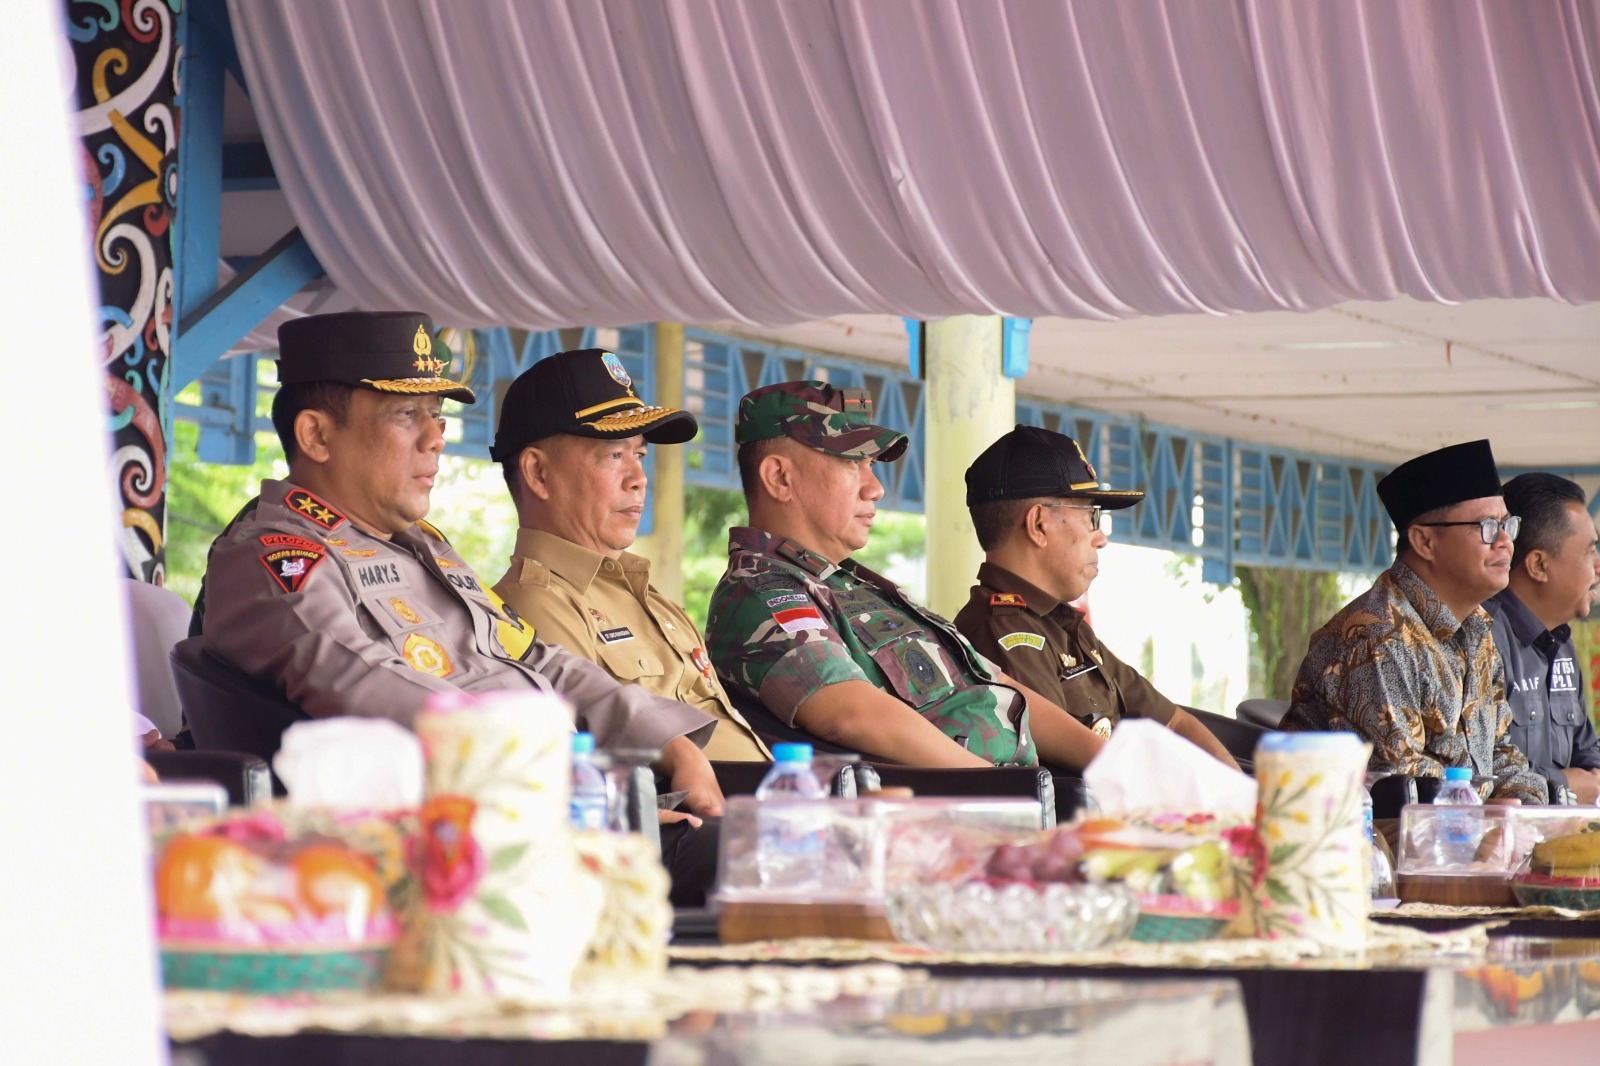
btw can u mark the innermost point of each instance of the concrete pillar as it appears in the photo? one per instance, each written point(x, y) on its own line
point(967, 405)
point(664, 547)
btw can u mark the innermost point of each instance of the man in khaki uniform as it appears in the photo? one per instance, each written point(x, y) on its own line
point(333, 588)
point(572, 439)
point(1036, 506)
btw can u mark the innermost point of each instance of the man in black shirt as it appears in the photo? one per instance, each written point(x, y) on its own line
point(1555, 576)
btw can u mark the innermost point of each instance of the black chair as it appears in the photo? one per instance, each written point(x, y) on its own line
point(1391, 793)
point(246, 778)
point(227, 710)
point(1029, 782)
point(1238, 738)
point(1265, 713)
point(741, 778)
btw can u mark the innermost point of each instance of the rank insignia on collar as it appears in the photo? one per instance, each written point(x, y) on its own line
point(305, 504)
point(1097, 657)
point(291, 566)
point(1007, 599)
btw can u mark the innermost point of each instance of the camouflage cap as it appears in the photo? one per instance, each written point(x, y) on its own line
point(818, 415)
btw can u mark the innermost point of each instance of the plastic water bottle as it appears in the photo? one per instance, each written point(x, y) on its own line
point(790, 835)
point(1456, 834)
point(589, 803)
point(1380, 880)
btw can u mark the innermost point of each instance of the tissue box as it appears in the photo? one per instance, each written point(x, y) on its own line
point(1467, 856)
point(804, 868)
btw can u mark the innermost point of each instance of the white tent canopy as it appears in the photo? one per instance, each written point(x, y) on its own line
point(572, 161)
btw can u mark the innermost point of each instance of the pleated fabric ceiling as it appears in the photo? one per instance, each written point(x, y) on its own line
point(560, 162)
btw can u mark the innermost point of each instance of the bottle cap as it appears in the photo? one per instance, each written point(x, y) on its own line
point(582, 743)
point(791, 753)
point(1458, 773)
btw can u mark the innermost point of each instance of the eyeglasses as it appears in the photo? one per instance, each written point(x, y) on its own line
point(1488, 528)
point(1096, 514)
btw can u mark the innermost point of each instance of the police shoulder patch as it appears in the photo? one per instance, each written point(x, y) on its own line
point(309, 506)
point(291, 564)
point(1022, 640)
point(1007, 599)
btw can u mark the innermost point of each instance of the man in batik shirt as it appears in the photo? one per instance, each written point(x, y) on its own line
point(1410, 664)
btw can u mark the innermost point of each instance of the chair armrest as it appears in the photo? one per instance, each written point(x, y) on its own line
point(1029, 782)
point(640, 804)
point(246, 777)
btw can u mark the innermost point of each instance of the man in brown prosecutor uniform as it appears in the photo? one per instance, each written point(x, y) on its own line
point(1037, 505)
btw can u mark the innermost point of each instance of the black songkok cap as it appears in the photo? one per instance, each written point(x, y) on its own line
point(1438, 479)
point(1029, 462)
point(386, 351)
point(586, 393)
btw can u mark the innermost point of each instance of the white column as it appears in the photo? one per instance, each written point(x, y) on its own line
point(664, 547)
point(968, 404)
point(77, 947)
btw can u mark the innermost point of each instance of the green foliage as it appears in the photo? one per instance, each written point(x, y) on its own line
point(202, 499)
point(1286, 606)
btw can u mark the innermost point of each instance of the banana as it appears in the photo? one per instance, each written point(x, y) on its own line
point(1573, 855)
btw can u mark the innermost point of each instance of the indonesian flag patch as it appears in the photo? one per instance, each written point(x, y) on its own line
point(795, 619)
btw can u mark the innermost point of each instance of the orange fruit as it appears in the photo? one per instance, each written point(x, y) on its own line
point(203, 877)
point(334, 880)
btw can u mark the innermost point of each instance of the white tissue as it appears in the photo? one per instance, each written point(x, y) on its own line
point(1146, 766)
point(362, 764)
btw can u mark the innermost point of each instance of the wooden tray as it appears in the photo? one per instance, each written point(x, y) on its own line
point(741, 922)
point(1457, 890)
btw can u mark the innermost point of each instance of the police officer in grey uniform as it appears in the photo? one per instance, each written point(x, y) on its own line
point(1555, 576)
point(334, 589)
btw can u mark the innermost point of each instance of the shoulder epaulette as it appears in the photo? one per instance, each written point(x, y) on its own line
point(431, 530)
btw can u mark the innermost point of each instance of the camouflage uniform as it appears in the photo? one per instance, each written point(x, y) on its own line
point(786, 622)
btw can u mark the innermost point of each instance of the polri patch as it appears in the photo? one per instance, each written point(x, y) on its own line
point(304, 503)
point(1022, 640)
point(1007, 599)
point(290, 567)
point(613, 636)
point(427, 656)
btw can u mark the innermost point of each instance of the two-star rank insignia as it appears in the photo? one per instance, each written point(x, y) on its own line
point(1007, 599)
point(305, 504)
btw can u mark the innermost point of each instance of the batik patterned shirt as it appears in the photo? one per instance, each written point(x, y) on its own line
point(1397, 667)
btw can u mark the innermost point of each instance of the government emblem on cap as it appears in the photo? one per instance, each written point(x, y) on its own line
point(618, 372)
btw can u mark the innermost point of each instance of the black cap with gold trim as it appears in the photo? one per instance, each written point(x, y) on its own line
point(387, 351)
point(586, 393)
point(1030, 462)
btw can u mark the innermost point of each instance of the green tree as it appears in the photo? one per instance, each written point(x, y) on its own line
point(1286, 606)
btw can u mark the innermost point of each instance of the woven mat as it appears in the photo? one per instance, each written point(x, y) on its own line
point(1439, 910)
point(612, 1009)
point(1387, 945)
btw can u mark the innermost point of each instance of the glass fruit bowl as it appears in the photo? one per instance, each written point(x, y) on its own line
point(1002, 916)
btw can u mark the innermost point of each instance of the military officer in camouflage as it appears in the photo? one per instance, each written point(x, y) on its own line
point(829, 646)
point(1036, 505)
